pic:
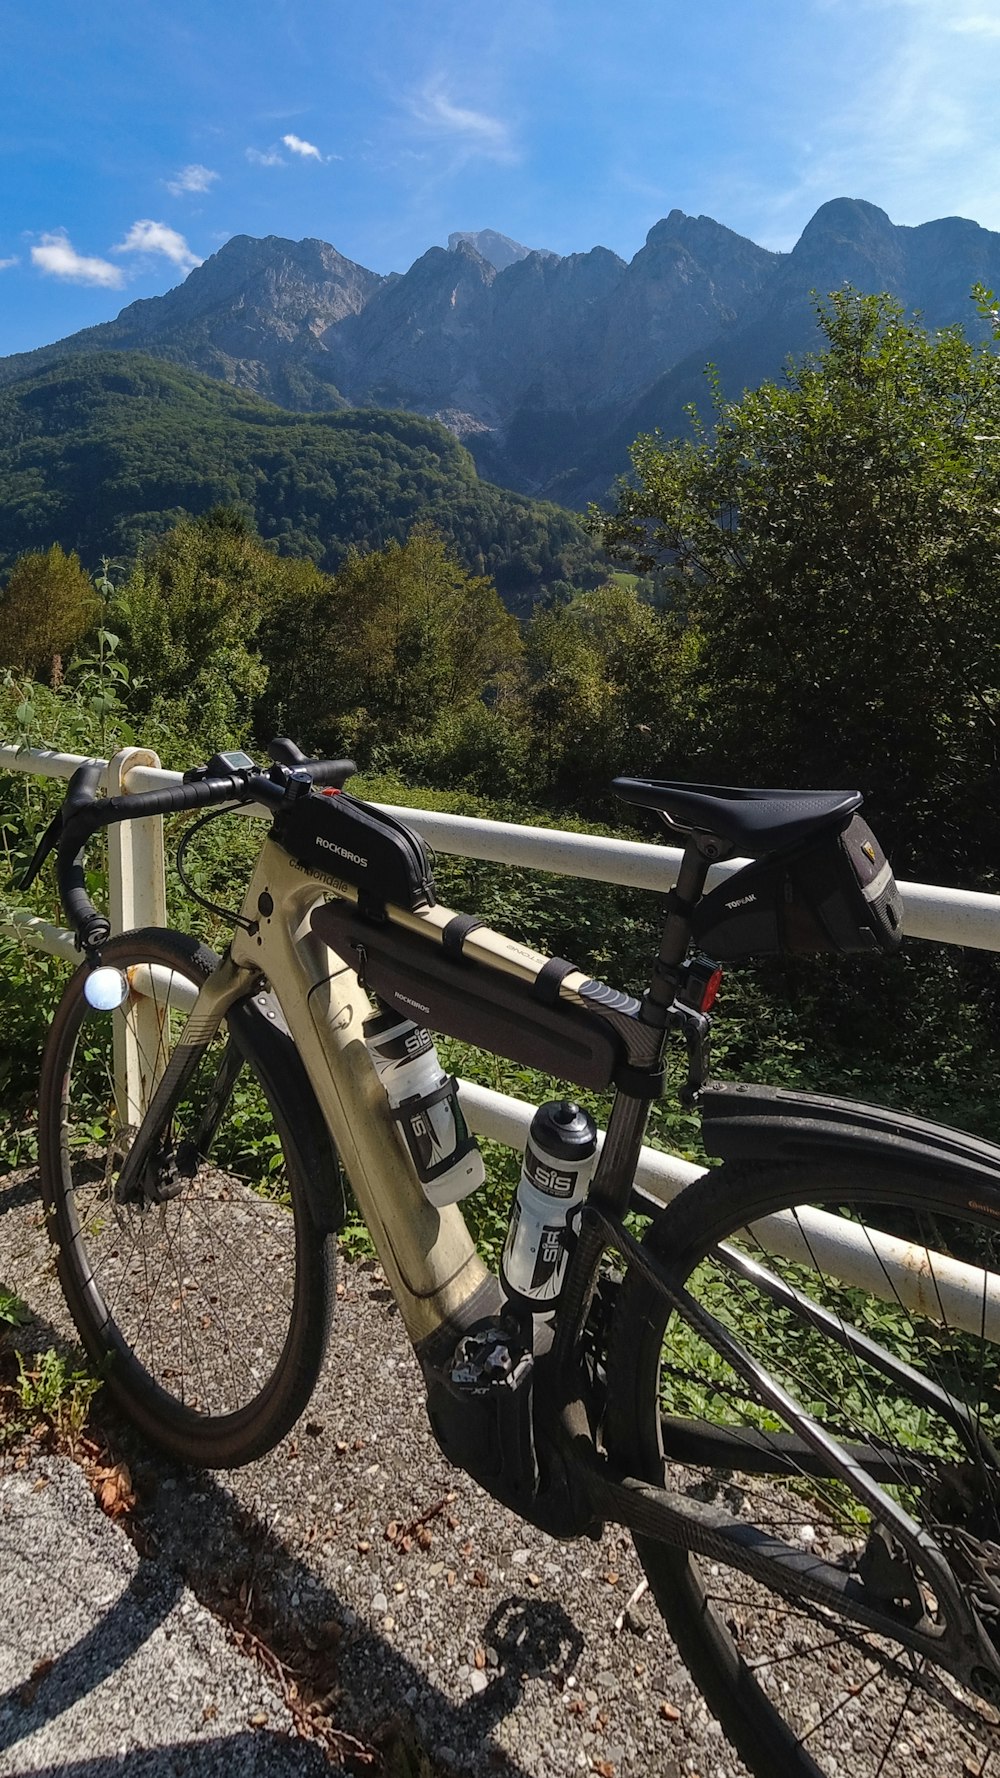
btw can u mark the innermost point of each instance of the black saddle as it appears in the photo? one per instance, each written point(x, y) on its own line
point(754, 822)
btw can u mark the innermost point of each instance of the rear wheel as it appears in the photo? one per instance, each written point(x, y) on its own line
point(875, 1304)
point(205, 1293)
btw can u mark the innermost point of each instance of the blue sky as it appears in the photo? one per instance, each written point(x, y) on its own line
point(135, 138)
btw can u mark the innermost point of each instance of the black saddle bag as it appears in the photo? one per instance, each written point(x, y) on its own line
point(834, 893)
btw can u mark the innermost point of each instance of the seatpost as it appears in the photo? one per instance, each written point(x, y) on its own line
point(701, 851)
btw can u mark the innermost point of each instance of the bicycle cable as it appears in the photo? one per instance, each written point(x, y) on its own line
point(212, 907)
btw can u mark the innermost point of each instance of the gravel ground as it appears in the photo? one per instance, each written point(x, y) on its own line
point(492, 1644)
point(106, 1656)
point(484, 1643)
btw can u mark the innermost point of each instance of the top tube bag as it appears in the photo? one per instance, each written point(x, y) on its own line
point(836, 893)
point(341, 836)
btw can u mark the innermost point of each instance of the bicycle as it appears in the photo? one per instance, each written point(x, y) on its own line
point(808, 1323)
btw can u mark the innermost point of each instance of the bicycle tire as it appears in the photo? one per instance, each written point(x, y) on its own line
point(208, 1312)
point(796, 1690)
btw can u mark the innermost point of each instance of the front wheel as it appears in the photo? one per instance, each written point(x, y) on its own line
point(874, 1301)
point(204, 1293)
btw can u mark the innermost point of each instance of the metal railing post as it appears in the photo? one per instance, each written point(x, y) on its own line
point(137, 896)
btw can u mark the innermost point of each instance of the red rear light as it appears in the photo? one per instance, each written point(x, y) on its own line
point(710, 989)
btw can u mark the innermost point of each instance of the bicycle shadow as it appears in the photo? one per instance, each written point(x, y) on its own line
point(252, 1754)
point(377, 1694)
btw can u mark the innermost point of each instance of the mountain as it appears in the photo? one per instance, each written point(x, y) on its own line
point(545, 366)
point(500, 250)
point(100, 450)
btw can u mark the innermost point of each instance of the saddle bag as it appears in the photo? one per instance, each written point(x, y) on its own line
point(835, 892)
point(351, 840)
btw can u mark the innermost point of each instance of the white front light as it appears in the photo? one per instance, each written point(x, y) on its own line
point(104, 989)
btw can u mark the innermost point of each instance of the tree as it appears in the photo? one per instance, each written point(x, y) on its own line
point(606, 692)
point(189, 615)
point(837, 539)
point(396, 638)
point(47, 606)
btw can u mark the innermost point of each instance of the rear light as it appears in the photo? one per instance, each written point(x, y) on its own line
point(699, 984)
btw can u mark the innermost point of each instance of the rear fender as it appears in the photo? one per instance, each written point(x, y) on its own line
point(773, 1123)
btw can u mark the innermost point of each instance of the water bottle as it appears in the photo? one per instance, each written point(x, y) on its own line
point(558, 1162)
point(424, 1101)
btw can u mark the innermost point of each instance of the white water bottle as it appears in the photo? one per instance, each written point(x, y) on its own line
point(558, 1163)
point(424, 1101)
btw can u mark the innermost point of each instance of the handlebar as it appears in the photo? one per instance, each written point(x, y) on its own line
point(226, 779)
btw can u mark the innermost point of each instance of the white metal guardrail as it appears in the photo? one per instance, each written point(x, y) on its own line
point(947, 916)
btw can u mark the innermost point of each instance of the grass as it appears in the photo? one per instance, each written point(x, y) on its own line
point(47, 1388)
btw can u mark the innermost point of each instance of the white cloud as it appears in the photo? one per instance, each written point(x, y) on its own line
point(266, 158)
point(5, 264)
point(58, 258)
point(193, 178)
point(156, 237)
point(307, 150)
point(476, 132)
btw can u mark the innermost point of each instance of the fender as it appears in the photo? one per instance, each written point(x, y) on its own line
point(261, 1036)
point(774, 1123)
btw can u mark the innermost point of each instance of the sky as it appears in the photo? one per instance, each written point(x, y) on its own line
point(137, 136)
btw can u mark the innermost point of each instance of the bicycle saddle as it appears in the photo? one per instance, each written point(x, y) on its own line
point(754, 821)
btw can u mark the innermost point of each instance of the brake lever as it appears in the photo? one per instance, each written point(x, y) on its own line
point(80, 792)
point(48, 843)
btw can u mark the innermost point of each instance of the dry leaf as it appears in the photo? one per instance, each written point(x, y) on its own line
point(611, 1578)
point(534, 1580)
point(670, 1712)
point(114, 1490)
point(29, 1689)
point(480, 1659)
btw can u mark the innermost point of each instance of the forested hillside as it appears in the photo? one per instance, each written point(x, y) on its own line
point(808, 595)
point(98, 453)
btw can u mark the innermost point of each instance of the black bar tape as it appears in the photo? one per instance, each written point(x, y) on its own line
point(330, 771)
point(545, 986)
point(456, 932)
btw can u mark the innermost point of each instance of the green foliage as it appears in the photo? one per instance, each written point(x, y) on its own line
point(46, 607)
point(50, 1386)
point(398, 640)
point(101, 452)
point(608, 688)
point(13, 1309)
point(837, 540)
point(189, 613)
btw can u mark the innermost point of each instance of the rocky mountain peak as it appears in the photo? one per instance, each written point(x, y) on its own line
point(499, 249)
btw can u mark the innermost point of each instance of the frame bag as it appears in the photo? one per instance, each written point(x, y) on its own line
point(835, 893)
